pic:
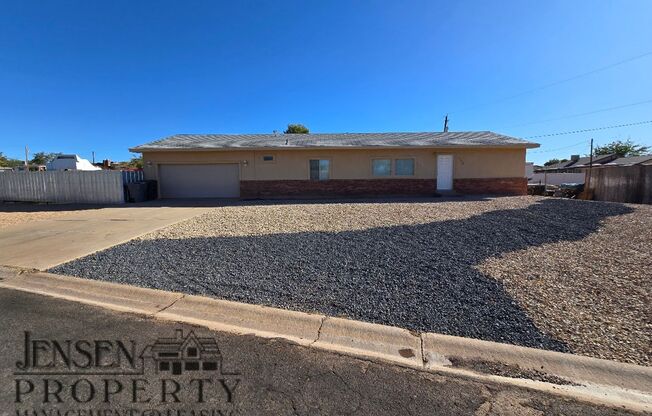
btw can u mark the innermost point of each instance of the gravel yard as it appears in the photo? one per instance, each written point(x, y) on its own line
point(557, 274)
point(19, 213)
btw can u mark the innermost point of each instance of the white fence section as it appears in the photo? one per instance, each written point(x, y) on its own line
point(556, 178)
point(131, 176)
point(90, 187)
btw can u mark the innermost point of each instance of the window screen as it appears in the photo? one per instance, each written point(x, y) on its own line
point(319, 170)
point(381, 167)
point(268, 158)
point(405, 167)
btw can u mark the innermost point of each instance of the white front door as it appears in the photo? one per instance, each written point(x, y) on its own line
point(445, 172)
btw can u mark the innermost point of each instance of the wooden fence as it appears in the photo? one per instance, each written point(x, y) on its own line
point(621, 184)
point(89, 187)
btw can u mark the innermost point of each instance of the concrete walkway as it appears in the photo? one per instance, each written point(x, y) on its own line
point(44, 244)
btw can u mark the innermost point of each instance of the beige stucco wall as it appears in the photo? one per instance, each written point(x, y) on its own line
point(350, 163)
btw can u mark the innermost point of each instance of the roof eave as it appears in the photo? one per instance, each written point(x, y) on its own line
point(142, 149)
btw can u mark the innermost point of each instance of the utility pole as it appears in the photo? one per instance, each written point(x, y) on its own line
point(446, 124)
point(587, 183)
point(93, 156)
point(26, 157)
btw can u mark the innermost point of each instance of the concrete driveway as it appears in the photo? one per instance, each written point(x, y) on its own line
point(47, 243)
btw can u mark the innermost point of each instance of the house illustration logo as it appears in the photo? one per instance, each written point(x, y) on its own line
point(181, 354)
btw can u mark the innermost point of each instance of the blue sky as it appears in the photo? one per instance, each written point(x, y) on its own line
point(82, 76)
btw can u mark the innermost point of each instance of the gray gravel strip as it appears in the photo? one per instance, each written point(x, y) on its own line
point(418, 271)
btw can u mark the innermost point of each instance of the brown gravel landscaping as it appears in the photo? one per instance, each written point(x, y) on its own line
point(595, 293)
point(558, 274)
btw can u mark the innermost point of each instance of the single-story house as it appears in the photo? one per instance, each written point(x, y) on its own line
point(345, 164)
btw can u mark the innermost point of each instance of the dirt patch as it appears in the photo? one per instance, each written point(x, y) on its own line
point(20, 213)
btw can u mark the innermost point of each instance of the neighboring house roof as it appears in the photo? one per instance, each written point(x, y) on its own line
point(597, 160)
point(580, 163)
point(630, 161)
point(333, 140)
point(559, 165)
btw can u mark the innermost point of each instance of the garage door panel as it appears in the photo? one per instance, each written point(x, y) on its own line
point(199, 181)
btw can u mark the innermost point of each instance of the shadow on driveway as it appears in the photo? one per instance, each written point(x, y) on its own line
point(420, 277)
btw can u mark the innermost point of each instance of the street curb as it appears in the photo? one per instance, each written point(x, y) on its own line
point(600, 381)
point(370, 340)
point(243, 318)
point(569, 366)
point(113, 296)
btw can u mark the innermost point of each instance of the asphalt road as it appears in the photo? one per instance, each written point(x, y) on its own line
point(80, 360)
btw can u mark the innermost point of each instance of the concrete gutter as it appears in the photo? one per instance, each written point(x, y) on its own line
point(599, 381)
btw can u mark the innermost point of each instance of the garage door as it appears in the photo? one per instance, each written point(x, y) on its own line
point(199, 181)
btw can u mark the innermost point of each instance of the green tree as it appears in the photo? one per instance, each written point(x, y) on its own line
point(9, 162)
point(554, 161)
point(41, 158)
point(136, 162)
point(296, 129)
point(622, 149)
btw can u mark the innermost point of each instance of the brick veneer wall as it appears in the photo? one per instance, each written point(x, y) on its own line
point(377, 187)
point(502, 186)
point(337, 187)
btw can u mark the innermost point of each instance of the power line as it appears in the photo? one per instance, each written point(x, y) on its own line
point(582, 143)
point(552, 84)
point(591, 129)
point(602, 110)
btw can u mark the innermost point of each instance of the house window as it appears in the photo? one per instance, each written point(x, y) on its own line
point(268, 158)
point(210, 365)
point(191, 351)
point(320, 169)
point(192, 365)
point(404, 167)
point(164, 366)
point(381, 167)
